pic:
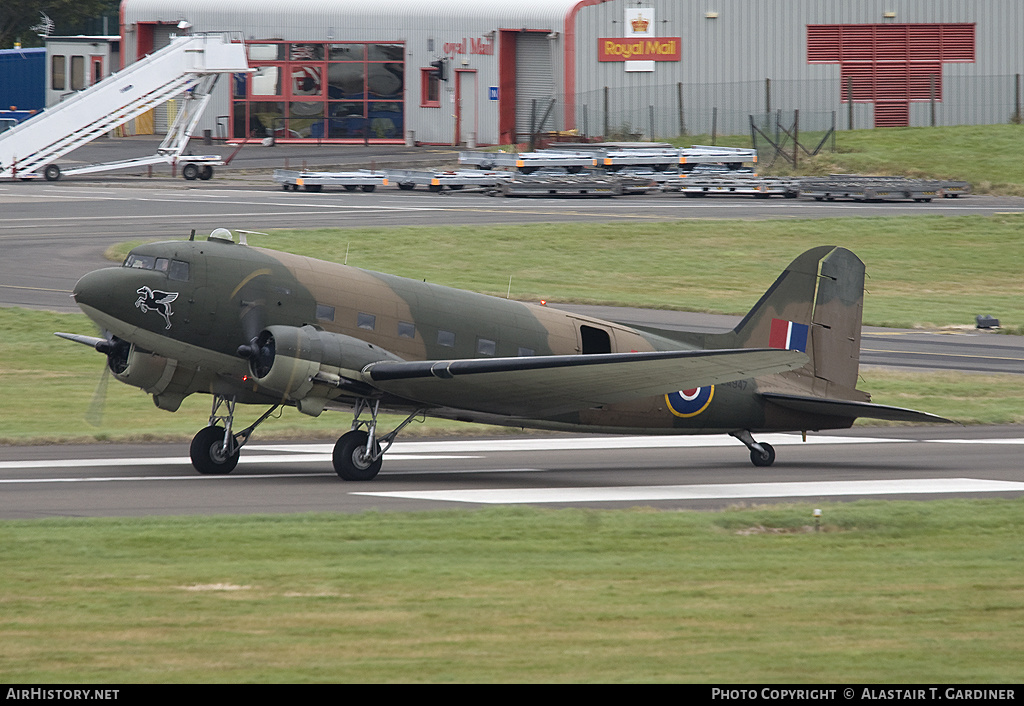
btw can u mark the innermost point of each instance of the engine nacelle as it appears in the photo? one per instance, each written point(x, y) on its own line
point(143, 369)
point(286, 359)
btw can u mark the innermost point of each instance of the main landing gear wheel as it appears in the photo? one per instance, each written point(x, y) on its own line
point(351, 462)
point(765, 458)
point(208, 454)
point(215, 449)
point(761, 454)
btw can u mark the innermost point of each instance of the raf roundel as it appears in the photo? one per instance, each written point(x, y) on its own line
point(690, 403)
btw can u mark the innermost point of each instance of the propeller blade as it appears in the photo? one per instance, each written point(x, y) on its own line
point(94, 415)
point(91, 341)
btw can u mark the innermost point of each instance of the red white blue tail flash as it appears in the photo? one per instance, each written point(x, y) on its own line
point(788, 335)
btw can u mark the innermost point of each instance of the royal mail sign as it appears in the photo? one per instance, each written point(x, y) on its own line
point(639, 49)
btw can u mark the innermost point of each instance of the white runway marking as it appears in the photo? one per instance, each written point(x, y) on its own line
point(589, 443)
point(471, 448)
point(296, 457)
point(514, 496)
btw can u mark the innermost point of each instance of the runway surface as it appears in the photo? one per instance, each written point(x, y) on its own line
point(550, 471)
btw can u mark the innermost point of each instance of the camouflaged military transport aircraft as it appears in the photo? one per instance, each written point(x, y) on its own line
point(254, 326)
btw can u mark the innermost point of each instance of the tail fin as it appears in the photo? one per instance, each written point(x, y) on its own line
point(815, 306)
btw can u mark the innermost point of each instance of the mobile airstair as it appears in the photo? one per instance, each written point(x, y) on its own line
point(189, 64)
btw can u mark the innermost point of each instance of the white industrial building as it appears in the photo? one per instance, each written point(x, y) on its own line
point(490, 72)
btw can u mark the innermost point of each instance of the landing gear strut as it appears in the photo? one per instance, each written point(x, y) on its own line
point(358, 454)
point(761, 454)
point(215, 449)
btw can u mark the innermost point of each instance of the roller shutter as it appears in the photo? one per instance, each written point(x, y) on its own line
point(534, 82)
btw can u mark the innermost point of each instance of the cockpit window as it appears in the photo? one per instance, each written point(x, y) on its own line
point(174, 269)
point(178, 270)
point(140, 262)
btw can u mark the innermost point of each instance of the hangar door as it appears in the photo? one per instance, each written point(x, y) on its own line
point(535, 81)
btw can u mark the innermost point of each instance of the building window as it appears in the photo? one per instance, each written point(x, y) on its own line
point(321, 90)
point(77, 73)
point(430, 89)
point(57, 69)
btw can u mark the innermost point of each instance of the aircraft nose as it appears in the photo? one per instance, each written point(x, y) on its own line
point(95, 288)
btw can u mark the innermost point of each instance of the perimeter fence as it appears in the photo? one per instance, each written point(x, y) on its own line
point(671, 110)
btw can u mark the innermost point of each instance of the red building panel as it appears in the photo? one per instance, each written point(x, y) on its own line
point(890, 65)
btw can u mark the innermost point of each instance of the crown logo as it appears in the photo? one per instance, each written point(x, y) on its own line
point(640, 24)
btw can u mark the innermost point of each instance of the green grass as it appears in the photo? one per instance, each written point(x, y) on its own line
point(987, 156)
point(924, 270)
point(897, 592)
point(48, 387)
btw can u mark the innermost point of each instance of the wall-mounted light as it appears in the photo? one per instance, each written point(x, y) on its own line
point(889, 15)
point(711, 15)
point(490, 35)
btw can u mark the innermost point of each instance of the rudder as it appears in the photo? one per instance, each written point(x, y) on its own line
point(816, 306)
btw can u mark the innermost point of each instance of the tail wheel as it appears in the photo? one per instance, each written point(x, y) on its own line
point(763, 458)
point(350, 459)
point(207, 452)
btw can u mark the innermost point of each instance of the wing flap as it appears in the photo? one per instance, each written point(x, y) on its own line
point(851, 409)
point(538, 386)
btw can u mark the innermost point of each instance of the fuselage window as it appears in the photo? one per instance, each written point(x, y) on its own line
point(523, 350)
point(486, 346)
point(325, 312)
point(178, 271)
point(366, 321)
point(406, 330)
point(445, 338)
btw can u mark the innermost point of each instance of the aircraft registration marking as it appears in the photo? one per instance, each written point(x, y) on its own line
point(516, 496)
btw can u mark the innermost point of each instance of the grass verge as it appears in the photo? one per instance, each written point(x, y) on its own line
point(984, 155)
point(49, 391)
point(922, 270)
point(898, 592)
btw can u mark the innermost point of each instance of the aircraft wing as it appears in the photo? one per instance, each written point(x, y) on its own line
point(537, 386)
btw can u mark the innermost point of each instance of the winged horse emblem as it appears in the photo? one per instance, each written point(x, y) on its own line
point(156, 300)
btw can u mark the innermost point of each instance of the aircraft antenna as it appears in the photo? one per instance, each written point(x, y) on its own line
point(193, 235)
point(346, 252)
point(243, 233)
point(508, 294)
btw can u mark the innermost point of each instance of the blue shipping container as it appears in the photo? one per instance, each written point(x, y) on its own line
point(22, 79)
